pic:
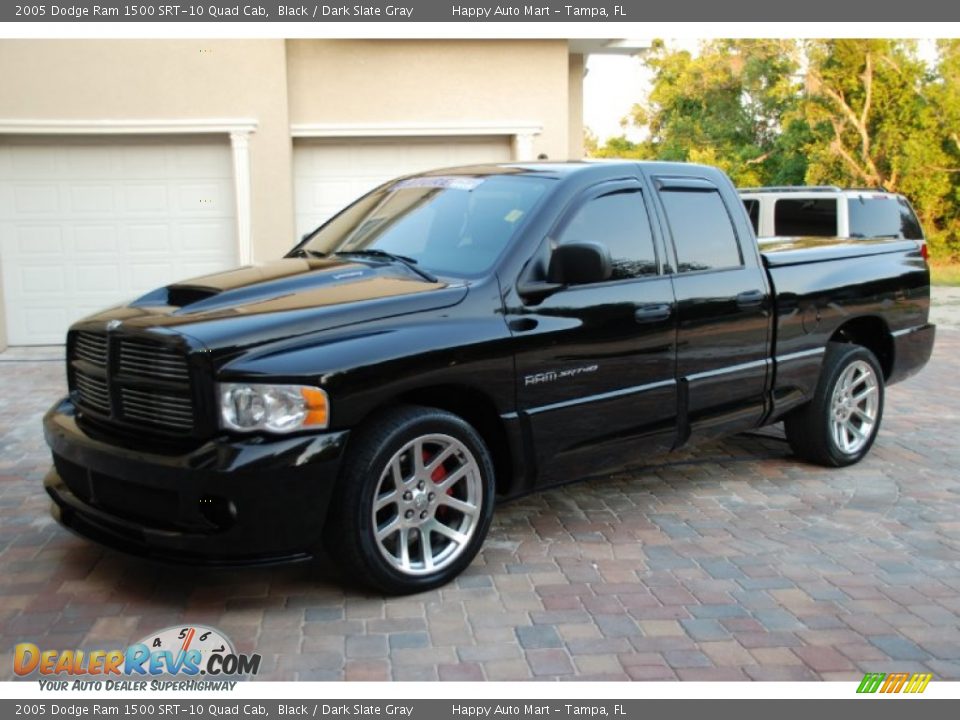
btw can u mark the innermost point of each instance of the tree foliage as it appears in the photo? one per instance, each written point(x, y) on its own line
point(855, 113)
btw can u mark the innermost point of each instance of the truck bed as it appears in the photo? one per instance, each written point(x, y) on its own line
point(821, 284)
point(784, 251)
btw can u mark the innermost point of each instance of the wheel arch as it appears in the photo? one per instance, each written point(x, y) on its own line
point(871, 332)
point(474, 406)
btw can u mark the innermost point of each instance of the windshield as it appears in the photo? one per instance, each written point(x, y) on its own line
point(450, 225)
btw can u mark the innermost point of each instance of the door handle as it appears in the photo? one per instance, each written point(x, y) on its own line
point(751, 298)
point(651, 313)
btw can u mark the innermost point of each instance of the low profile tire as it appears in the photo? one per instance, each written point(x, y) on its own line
point(414, 501)
point(838, 426)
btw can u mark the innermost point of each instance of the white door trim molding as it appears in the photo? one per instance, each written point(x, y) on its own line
point(126, 127)
point(237, 129)
point(240, 147)
point(521, 134)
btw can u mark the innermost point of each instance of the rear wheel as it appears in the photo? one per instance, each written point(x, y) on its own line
point(838, 426)
point(414, 502)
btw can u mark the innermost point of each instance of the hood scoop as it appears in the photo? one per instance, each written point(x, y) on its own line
point(177, 296)
point(182, 295)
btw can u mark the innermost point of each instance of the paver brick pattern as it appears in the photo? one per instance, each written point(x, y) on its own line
point(733, 561)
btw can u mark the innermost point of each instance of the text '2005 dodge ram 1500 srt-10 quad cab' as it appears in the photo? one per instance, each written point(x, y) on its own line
point(462, 336)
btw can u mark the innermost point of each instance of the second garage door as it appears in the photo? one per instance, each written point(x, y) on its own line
point(329, 174)
point(86, 223)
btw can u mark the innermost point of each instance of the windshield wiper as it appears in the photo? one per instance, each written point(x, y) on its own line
point(306, 252)
point(408, 262)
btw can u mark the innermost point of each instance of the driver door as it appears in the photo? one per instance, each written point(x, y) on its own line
point(596, 362)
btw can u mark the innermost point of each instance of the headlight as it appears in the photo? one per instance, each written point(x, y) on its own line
point(249, 407)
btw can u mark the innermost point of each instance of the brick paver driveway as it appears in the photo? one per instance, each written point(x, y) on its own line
point(732, 562)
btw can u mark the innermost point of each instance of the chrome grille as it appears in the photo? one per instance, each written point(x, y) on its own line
point(133, 381)
point(92, 391)
point(145, 359)
point(165, 410)
point(91, 347)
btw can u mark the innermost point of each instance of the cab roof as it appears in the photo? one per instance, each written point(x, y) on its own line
point(560, 169)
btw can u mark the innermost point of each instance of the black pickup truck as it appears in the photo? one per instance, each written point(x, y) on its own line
point(465, 336)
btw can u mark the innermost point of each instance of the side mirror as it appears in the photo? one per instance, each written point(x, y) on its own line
point(579, 264)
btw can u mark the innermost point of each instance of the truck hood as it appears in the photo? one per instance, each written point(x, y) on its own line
point(257, 304)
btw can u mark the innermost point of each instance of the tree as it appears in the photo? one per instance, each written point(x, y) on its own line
point(876, 121)
point(722, 107)
point(944, 92)
point(855, 113)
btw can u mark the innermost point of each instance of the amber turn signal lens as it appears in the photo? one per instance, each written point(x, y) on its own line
point(316, 406)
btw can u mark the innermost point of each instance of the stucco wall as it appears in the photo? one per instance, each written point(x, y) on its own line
point(408, 81)
point(161, 80)
point(575, 107)
point(178, 79)
point(277, 82)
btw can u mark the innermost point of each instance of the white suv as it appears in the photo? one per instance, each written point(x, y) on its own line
point(829, 211)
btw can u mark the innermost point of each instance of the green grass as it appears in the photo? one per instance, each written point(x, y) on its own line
point(945, 274)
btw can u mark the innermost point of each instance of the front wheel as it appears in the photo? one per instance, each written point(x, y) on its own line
point(838, 426)
point(414, 502)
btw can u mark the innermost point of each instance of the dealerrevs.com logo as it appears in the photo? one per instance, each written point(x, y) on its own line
point(178, 652)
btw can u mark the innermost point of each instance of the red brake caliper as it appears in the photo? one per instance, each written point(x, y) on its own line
point(437, 476)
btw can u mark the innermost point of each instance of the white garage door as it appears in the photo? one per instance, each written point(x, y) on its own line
point(87, 223)
point(328, 175)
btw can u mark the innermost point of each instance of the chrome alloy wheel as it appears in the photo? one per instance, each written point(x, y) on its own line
point(427, 503)
point(854, 407)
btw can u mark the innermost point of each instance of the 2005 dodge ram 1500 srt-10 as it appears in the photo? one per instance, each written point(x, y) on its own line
point(465, 336)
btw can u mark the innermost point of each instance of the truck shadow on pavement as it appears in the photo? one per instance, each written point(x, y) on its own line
point(116, 578)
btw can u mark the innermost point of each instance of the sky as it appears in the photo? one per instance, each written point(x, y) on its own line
point(612, 85)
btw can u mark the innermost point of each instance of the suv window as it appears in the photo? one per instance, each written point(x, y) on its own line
point(619, 220)
point(702, 230)
point(883, 216)
point(809, 217)
point(753, 211)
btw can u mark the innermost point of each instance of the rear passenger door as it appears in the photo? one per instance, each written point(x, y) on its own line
point(723, 308)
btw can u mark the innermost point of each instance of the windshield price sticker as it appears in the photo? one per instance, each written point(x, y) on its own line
point(449, 182)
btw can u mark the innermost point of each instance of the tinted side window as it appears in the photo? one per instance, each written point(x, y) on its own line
point(800, 218)
point(753, 210)
point(702, 231)
point(619, 221)
point(883, 216)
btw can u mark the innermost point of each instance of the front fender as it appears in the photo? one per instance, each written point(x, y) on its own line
point(362, 368)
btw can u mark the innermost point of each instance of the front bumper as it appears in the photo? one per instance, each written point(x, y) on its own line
point(229, 501)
